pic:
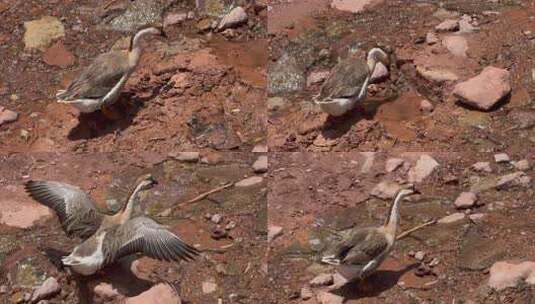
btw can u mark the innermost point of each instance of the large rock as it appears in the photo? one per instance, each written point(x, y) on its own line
point(20, 214)
point(452, 218)
point(466, 200)
point(249, 182)
point(448, 25)
point(236, 17)
point(509, 274)
point(41, 32)
point(423, 168)
point(7, 115)
point(48, 289)
point(485, 90)
point(385, 190)
point(437, 75)
point(457, 45)
point(393, 163)
point(261, 164)
point(106, 292)
point(58, 55)
point(353, 6)
point(518, 178)
point(157, 294)
point(379, 74)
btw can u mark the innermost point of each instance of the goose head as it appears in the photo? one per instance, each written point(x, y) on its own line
point(146, 182)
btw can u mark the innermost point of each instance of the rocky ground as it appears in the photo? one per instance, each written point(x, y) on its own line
point(483, 204)
point(199, 89)
point(229, 225)
point(462, 75)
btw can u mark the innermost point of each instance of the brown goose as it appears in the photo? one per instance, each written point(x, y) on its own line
point(348, 82)
point(121, 235)
point(100, 84)
point(360, 251)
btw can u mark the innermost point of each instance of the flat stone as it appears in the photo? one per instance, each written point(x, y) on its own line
point(392, 164)
point(448, 25)
point(482, 166)
point(506, 274)
point(457, 45)
point(324, 279)
point(423, 168)
point(325, 297)
point(7, 116)
point(476, 252)
point(260, 148)
point(208, 287)
point(485, 90)
point(380, 73)
point(173, 19)
point(431, 38)
point(48, 289)
point(476, 216)
point(522, 165)
point(385, 190)
point(501, 158)
point(466, 200)
point(58, 55)
point(234, 18)
point(513, 179)
point(353, 6)
point(190, 157)
point(249, 182)
point(261, 164)
point(436, 75)
point(21, 214)
point(160, 294)
point(106, 292)
point(41, 32)
point(452, 218)
point(274, 232)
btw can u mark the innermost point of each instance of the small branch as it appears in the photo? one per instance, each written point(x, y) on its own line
point(406, 233)
point(203, 195)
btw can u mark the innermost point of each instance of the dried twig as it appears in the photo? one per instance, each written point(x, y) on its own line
point(203, 195)
point(406, 233)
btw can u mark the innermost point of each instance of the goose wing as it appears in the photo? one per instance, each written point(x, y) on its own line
point(75, 209)
point(345, 80)
point(98, 78)
point(366, 246)
point(144, 235)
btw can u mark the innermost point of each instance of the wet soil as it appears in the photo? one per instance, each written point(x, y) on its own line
point(338, 197)
point(390, 118)
point(236, 263)
point(211, 104)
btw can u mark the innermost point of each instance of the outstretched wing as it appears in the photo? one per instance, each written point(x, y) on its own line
point(75, 209)
point(97, 79)
point(144, 235)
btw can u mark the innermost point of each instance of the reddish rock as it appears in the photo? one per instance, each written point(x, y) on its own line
point(485, 90)
point(7, 115)
point(21, 214)
point(423, 168)
point(385, 190)
point(509, 274)
point(157, 294)
point(457, 45)
point(106, 292)
point(173, 19)
point(393, 163)
point(426, 106)
point(436, 74)
point(353, 6)
point(324, 297)
point(58, 55)
point(452, 218)
point(431, 38)
point(482, 166)
point(48, 289)
point(466, 200)
point(324, 279)
point(448, 25)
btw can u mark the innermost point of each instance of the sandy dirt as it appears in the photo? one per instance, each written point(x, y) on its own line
point(236, 263)
point(338, 197)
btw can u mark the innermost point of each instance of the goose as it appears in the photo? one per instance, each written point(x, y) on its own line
point(360, 251)
point(100, 84)
point(348, 82)
point(117, 235)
